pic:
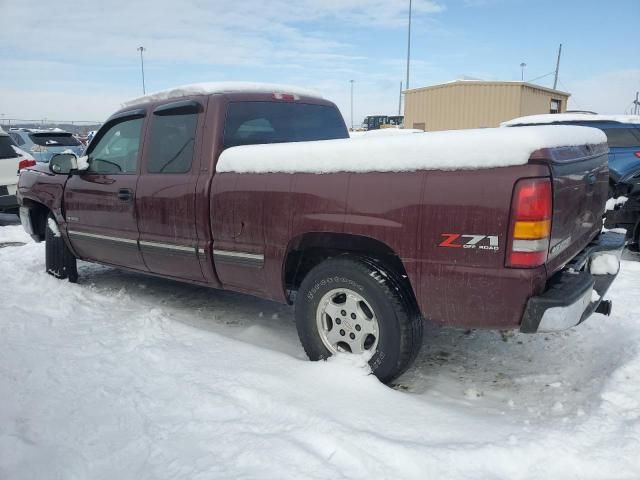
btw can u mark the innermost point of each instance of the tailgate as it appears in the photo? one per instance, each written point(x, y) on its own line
point(580, 177)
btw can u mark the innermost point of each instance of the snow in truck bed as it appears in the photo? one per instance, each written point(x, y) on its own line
point(209, 88)
point(448, 150)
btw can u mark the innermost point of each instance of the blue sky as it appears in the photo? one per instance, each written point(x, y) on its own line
point(79, 60)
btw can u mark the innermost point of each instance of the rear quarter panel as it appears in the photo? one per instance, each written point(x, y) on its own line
point(409, 212)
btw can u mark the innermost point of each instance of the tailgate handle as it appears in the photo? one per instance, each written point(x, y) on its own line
point(125, 194)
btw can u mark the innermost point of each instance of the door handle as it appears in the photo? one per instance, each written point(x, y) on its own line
point(125, 194)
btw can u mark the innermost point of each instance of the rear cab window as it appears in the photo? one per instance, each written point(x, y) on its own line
point(54, 139)
point(260, 122)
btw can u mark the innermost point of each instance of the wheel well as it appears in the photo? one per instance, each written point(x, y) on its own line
point(38, 214)
point(311, 249)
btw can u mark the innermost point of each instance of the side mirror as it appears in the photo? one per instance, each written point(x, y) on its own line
point(63, 163)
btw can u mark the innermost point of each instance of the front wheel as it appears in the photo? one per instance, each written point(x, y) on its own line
point(59, 260)
point(351, 305)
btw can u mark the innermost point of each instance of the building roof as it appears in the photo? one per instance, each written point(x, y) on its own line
point(466, 82)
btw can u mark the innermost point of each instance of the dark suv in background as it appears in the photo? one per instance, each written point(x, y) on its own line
point(623, 137)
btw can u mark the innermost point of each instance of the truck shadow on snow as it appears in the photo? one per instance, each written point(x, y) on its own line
point(543, 375)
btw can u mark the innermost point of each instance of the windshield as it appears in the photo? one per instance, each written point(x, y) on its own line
point(52, 139)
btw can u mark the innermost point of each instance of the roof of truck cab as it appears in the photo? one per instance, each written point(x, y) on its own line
point(209, 88)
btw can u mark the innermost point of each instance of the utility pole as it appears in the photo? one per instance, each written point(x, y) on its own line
point(400, 100)
point(522, 67)
point(408, 46)
point(555, 79)
point(351, 81)
point(142, 49)
point(636, 104)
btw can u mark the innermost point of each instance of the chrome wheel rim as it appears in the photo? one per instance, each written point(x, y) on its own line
point(346, 322)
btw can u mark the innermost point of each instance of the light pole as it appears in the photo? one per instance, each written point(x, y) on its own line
point(351, 81)
point(522, 67)
point(142, 49)
point(408, 47)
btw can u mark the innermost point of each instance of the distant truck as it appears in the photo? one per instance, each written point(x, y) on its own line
point(258, 189)
point(376, 122)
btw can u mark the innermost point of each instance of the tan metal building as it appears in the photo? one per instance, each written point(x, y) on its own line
point(477, 104)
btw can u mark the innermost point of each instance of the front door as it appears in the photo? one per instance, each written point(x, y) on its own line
point(100, 202)
point(166, 195)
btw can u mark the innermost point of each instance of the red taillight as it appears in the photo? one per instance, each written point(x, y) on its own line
point(637, 154)
point(530, 227)
point(26, 164)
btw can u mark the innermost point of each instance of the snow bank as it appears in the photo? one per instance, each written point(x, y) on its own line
point(605, 264)
point(128, 377)
point(612, 203)
point(570, 117)
point(448, 150)
point(53, 226)
point(13, 234)
point(221, 87)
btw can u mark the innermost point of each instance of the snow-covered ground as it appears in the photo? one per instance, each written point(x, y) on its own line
point(128, 377)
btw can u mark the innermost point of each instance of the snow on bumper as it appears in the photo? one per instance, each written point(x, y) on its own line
point(569, 298)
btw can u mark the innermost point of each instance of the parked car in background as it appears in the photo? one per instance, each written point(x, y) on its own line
point(494, 228)
point(12, 160)
point(43, 144)
point(623, 137)
point(90, 136)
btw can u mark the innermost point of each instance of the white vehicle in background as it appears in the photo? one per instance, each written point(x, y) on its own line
point(12, 160)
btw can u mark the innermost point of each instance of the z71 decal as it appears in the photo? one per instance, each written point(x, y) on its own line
point(480, 242)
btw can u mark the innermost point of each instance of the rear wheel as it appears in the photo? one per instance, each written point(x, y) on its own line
point(351, 305)
point(59, 260)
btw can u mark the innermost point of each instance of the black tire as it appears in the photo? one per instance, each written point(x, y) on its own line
point(59, 260)
point(399, 322)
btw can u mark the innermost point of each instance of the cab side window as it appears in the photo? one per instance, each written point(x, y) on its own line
point(117, 149)
point(173, 136)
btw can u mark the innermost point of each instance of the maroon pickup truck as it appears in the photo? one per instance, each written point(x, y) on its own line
point(259, 190)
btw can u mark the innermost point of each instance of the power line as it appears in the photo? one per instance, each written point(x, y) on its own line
point(572, 97)
point(542, 76)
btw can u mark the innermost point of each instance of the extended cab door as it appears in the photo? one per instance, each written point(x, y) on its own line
point(166, 196)
point(99, 203)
